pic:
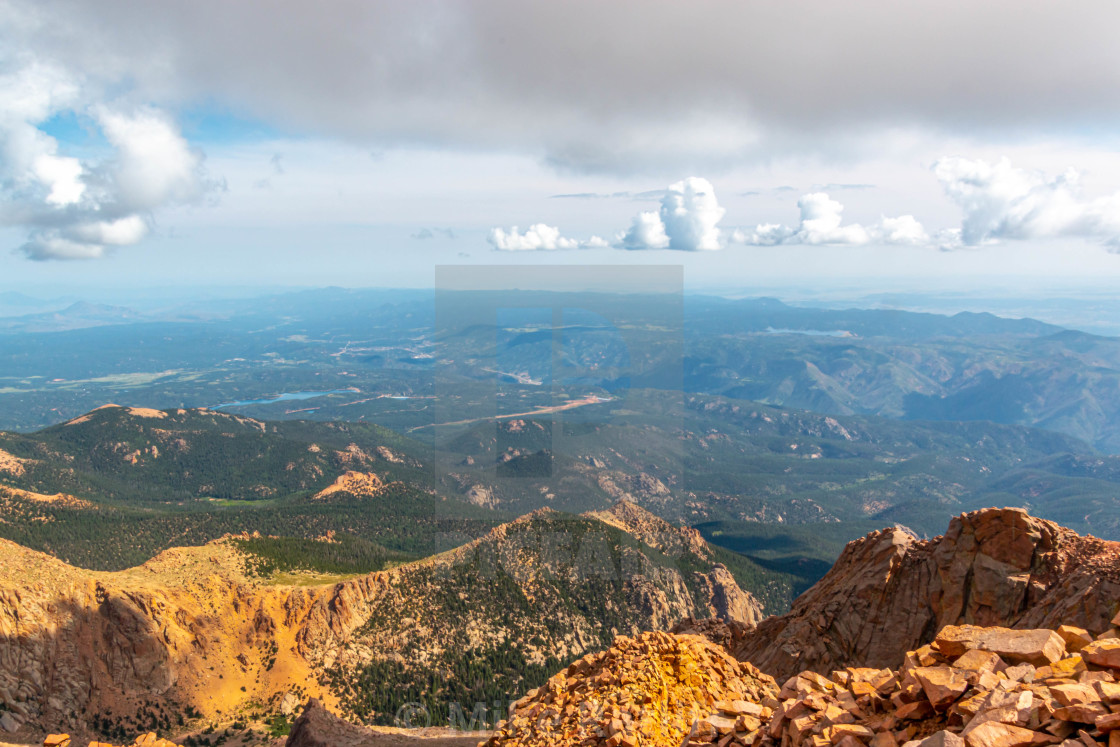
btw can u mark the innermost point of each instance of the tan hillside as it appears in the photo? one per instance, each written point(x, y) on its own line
point(361, 484)
point(652, 529)
point(13, 465)
point(193, 630)
point(15, 495)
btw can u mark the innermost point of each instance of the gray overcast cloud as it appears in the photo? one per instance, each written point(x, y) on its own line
point(618, 86)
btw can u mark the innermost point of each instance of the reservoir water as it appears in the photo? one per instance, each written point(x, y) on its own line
point(285, 397)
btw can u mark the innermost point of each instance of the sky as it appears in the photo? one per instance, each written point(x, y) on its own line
point(364, 143)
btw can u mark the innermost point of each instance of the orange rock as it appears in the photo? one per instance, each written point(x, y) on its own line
point(57, 740)
point(1075, 694)
point(1003, 715)
point(995, 734)
point(1109, 691)
point(883, 739)
point(980, 661)
point(1069, 667)
point(1108, 722)
point(1038, 647)
point(1075, 638)
point(942, 685)
point(1081, 714)
point(840, 731)
point(916, 710)
point(1104, 653)
point(943, 738)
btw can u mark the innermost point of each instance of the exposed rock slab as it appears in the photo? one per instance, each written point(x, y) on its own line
point(890, 592)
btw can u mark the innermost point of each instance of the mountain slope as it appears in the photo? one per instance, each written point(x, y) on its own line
point(145, 480)
point(133, 455)
point(200, 631)
point(698, 458)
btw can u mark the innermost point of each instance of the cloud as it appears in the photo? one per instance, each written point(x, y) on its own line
point(843, 187)
point(538, 237)
point(688, 220)
point(646, 232)
point(430, 233)
point(80, 208)
point(822, 224)
point(452, 74)
point(276, 162)
point(1000, 201)
point(590, 196)
point(154, 164)
point(904, 229)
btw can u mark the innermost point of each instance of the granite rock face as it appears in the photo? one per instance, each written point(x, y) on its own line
point(890, 592)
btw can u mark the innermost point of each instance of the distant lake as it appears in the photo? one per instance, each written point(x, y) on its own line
point(810, 332)
point(285, 397)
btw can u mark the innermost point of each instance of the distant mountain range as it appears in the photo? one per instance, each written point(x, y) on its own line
point(111, 488)
point(893, 364)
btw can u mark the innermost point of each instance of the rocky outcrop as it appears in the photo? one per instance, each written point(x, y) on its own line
point(726, 600)
point(721, 596)
point(76, 644)
point(971, 687)
point(890, 592)
point(352, 483)
point(649, 690)
point(653, 530)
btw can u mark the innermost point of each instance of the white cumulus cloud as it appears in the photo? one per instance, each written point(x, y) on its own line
point(688, 220)
point(647, 231)
point(154, 164)
point(538, 237)
point(822, 223)
point(1000, 201)
point(77, 208)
